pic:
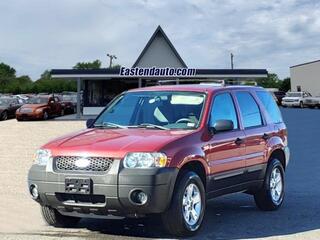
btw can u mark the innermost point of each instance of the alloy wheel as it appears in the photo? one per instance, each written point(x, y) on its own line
point(276, 185)
point(191, 204)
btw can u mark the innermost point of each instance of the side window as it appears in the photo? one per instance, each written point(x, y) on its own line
point(249, 109)
point(223, 109)
point(270, 106)
point(56, 99)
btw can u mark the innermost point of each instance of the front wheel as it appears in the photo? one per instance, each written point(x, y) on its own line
point(301, 105)
point(185, 214)
point(45, 115)
point(270, 196)
point(4, 115)
point(55, 219)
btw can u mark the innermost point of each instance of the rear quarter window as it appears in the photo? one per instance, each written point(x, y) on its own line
point(250, 112)
point(270, 106)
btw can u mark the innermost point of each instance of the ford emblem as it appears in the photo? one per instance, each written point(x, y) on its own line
point(82, 163)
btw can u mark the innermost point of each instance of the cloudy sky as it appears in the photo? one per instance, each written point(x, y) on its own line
point(46, 34)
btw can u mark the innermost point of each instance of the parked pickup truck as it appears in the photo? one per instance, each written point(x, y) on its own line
point(295, 99)
point(40, 107)
point(165, 151)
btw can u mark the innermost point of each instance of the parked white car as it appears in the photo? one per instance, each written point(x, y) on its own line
point(312, 102)
point(295, 99)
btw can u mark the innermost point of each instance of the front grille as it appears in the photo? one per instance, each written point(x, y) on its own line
point(94, 164)
point(26, 110)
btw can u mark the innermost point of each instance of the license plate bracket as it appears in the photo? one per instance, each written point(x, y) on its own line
point(78, 185)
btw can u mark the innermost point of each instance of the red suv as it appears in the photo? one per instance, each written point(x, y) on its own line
point(165, 150)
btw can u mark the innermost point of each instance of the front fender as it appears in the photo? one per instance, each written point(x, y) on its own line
point(188, 154)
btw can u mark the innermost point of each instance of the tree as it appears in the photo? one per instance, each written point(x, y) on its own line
point(272, 81)
point(88, 65)
point(116, 66)
point(7, 71)
point(285, 85)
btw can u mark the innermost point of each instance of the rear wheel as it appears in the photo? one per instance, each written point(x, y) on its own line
point(270, 196)
point(55, 219)
point(185, 214)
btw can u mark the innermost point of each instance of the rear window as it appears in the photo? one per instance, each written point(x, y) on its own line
point(270, 106)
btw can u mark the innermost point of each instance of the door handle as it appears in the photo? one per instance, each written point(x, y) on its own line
point(239, 141)
point(265, 136)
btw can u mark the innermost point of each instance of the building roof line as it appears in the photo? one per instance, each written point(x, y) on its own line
point(159, 30)
point(302, 64)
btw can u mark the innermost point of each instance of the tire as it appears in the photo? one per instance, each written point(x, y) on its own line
point(270, 197)
point(174, 219)
point(45, 115)
point(55, 219)
point(301, 105)
point(4, 115)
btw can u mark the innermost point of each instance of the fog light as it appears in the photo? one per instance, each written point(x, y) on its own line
point(139, 197)
point(34, 192)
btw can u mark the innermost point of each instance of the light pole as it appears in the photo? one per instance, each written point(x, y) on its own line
point(231, 58)
point(111, 58)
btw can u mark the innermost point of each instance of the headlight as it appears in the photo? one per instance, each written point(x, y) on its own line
point(144, 160)
point(42, 156)
point(39, 110)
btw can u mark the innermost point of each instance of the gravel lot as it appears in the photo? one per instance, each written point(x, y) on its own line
point(230, 217)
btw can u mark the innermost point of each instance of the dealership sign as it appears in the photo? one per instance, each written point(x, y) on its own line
point(154, 72)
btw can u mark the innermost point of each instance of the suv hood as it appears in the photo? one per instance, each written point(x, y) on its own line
point(113, 143)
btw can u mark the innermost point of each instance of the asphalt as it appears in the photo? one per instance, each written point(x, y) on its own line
point(230, 217)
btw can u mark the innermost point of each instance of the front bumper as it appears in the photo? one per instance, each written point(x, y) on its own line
point(110, 191)
point(29, 116)
point(290, 104)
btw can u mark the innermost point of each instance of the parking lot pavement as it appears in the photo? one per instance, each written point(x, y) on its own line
point(230, 217)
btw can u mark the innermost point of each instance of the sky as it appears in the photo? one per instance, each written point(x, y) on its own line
point(36, 35)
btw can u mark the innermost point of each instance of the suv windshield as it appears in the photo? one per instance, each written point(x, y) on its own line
point(294, 94)
point(160, 110)
point(37, 100)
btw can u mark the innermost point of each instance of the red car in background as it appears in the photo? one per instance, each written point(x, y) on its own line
point(41, 107)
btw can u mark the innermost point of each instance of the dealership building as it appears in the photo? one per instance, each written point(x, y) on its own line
point(158, 63)
point(306, 77)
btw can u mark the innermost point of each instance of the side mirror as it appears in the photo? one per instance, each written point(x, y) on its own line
point(222, 126)
point(90, 122)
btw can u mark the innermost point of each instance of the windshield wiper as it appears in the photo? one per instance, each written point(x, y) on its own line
point(149, 125)
point(108, 125)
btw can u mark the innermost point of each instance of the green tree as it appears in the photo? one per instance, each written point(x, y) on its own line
point(6, 70)
point(272, 81)
point(88, 65)
point(47, 84)
point(285, 85)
